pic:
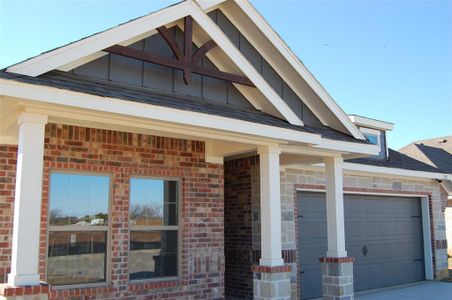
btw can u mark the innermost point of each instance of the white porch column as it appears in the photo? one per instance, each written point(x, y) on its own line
point(270, 206)
point(335, 207)
point(27, 205)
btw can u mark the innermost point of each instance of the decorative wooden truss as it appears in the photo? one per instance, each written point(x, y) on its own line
point(185, 60)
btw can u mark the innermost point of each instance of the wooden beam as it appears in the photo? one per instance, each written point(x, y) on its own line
point(178, 64)
point(188, 46)
point(166, 34)
point(198, 55)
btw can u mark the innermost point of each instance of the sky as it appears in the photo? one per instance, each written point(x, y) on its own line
point(79, 195)
point(388, 60)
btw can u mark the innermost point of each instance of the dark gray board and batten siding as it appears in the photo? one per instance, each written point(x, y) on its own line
point(142, 74)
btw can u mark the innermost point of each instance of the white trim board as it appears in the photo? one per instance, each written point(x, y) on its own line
point(367, 170)
point(395, 171)
point(372, 123)
point(80, 100)
point(76, 100)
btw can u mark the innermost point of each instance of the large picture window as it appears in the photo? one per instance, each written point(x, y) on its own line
point(153, 228)
point(78, 227)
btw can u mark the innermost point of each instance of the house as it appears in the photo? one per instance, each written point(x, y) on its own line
point(437, 152)
point(219, 166)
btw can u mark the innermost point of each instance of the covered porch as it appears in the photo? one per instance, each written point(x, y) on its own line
point(67, 131)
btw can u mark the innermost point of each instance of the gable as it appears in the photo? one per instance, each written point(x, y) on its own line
point(263, 94)
point(264, 68)
point(120, 69)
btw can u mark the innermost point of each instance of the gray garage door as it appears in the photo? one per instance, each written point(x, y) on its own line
point(383, 234)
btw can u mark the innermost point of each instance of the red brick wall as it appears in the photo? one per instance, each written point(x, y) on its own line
point(238, 227)
point(8, 161)
point(239, 218)
point(122, 155)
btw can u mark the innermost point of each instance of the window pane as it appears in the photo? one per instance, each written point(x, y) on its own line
point(76, 257)
point(372, 138)
point(153, 254)
point(153, 202)
point(78, 199)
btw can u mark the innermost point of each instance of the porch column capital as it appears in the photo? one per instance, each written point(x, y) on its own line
point(335, 206)
point(269, 149)
point(27, 204)
point(270, 200)
point(28, 117)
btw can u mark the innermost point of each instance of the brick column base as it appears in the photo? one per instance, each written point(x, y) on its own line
point(337, 278)
point(271, 282)
point(35, 292)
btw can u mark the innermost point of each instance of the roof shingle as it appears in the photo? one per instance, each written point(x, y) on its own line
point(78, 83)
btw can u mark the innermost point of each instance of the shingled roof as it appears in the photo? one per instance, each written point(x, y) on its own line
point(82, 84)
point(436, 152)
point(399, 161)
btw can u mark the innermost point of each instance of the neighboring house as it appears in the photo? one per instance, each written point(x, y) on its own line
point(437, 152)
point(189, 154)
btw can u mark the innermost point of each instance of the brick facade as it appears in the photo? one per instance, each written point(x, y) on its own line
point(122, 155)
point(220, 239)
point(238, 227)
point(242, 227)
point(8, 161)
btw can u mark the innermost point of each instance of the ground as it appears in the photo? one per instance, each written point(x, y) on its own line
point(420, 291)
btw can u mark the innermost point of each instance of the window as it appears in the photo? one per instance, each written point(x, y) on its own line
point(153, 228)
point(78, 227)
point(372, 138)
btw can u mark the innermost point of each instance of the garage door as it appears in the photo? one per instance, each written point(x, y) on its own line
point(382, 233)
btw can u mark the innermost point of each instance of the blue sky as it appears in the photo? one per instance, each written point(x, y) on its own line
point(79, 195)
point(389, 60)
point(146, 191)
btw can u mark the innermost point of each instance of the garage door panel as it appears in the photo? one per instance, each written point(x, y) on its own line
point(390, 229)
point(379, 228)
point(354, 208)
point(311, 284)
point(382, 251)
point(360, 272)
point(313, 230)
point(355, 229)
point(310, 258)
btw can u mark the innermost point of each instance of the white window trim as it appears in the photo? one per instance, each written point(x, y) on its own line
point(377, 133)
point(106, 229)
point(177, 228)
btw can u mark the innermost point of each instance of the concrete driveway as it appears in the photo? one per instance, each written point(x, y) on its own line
point(420, 291)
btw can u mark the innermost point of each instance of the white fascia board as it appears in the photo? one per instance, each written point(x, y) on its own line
point(111, 105)
point(75, 51)
point(366, 170)
point(395, 171)
point(209, 5)
point(371, 123)
point(349, 147)
point(295, 62)
point(242, 63)
point(447, 186)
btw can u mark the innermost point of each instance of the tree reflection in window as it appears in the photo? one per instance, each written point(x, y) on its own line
point(154, 228)
point(78, 219)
